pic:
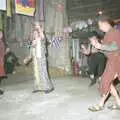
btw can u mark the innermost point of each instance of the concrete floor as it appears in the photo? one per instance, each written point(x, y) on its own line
point(69, 101)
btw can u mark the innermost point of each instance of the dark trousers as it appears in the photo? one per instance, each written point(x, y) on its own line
point(96, 63)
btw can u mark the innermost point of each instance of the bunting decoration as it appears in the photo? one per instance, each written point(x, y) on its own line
point(2, 4)
point(56, 41)
point(25, 7)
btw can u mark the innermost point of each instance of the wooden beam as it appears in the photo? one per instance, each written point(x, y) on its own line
point(117, 21)
point(91, 12)
point(84, 6)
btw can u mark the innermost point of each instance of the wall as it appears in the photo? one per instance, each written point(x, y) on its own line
point(55, 21)
point(18, 30)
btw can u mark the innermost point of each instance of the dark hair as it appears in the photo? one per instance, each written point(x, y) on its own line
point(95, 34)
point(92, 34)
point(107, 19)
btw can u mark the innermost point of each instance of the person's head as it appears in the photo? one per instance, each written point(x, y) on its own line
point(7, 50)
point(38, 26)
point(93, 36)
point(105, 23)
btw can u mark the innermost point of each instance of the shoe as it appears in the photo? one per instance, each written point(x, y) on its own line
point(1, 92)
point(114, 107)
point(95, 108)
point(35, 91)
point(93, 81)
point(49, 90)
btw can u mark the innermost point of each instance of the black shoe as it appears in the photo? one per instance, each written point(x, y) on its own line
point(93, 82)
point(35, 91)
point(49, 90)
point(1, 92)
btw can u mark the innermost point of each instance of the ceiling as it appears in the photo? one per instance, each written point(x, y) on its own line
point(84, 9)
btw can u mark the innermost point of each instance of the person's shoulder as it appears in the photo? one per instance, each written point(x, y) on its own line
point(114, 32)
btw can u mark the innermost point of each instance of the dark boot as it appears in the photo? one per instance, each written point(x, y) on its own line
point(1, 92)
point(36, 91)
point(49, 90)
point(93, 82)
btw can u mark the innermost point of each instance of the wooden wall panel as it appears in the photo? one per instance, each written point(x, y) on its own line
point(85, 9)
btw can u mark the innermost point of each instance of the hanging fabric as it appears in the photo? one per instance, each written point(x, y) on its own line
point(9, 8)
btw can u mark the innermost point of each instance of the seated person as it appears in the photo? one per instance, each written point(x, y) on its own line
point(10, 61)
point(96, 59)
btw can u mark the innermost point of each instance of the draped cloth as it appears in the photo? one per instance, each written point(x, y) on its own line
point(2, 53)
point(113, 62)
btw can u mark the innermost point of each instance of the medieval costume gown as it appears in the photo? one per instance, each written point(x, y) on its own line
point(42, 82)
point(113, 61)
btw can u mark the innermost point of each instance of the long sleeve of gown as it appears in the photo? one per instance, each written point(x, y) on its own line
point(110, 47)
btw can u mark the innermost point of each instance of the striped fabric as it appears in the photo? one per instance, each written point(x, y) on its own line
point(56, 41)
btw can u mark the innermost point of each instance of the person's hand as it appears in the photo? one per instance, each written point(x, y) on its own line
point(33, 43)
point(83, 47)
point(42, 35)
point(82, 51)
point(96, 44)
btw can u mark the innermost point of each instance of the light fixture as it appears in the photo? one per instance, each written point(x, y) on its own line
point(100, 12)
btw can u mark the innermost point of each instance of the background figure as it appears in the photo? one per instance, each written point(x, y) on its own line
point(2, 52)
point(96, 59)
point(117, 27)
point(42, 82)
point(10, 61)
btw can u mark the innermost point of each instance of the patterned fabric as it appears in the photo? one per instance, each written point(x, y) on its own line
point(26, 7)
point(44, 75)
point(56, 41)
point(24, 2)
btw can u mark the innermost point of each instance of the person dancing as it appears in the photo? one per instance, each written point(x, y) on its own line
point(111, 47)
point(42, 82)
